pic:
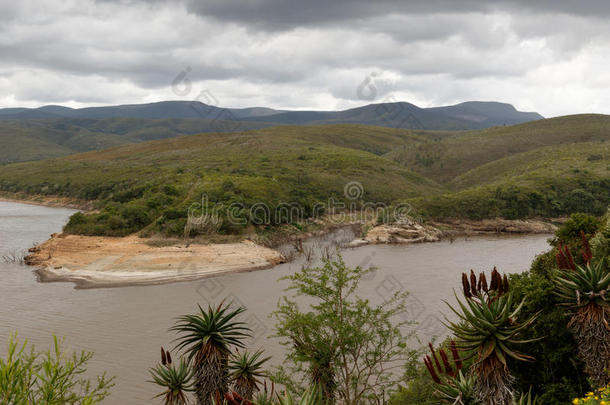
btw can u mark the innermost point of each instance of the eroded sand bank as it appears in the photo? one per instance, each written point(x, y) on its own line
point(106, 262)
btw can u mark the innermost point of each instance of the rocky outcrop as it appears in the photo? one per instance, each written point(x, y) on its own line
point(403, 232)
point(399, 233)
point(412, 232)
point(496, 226)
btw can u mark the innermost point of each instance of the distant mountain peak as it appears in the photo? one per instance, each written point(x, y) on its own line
point(396, 114)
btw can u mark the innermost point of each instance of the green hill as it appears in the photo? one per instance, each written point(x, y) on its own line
point(545, 168)
point(26, 140)
point(155, 182)
point(548, 182)
point(563, 161)
point(445, 159)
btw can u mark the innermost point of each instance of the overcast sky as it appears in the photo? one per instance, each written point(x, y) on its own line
point(550, 56)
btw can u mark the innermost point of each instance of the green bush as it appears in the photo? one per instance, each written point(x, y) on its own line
point(52, 377)
point(512, 201)
point(569, 232)
point(556, 375)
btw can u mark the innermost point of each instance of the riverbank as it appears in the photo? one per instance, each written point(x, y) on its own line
point(46, 201)
point(108, 320)
point(409, 232)
point(93, 262)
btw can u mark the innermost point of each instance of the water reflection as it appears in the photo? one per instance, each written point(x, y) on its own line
point(126, 326)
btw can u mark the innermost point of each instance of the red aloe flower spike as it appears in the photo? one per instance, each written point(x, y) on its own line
point(163, 358)
point(494, 280)
point(466, 286)
point(562, 263)
point(473, 282)
point(169, 357)
point(448, 368)
point(565, 260)
point(586, 248)
point(505, 284)
point(571, 262)
point(456, 355)
point(438, 364)
point(431, 370)
point(483, 281)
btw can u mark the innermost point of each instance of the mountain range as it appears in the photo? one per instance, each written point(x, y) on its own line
point(52, 131)
point(468, 115)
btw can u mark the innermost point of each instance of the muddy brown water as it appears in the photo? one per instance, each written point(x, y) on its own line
point(126, 326)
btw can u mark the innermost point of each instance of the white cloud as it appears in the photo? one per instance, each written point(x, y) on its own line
point(115, 52)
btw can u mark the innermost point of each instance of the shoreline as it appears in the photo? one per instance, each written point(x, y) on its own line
point(83, 282)
point(96, 262)
point(53, 202)
point(106, 262)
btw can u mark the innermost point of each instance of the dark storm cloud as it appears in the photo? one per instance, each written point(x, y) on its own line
point(282, 14)
point(308, 54)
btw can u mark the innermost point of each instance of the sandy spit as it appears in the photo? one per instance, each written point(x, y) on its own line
point(93, 262)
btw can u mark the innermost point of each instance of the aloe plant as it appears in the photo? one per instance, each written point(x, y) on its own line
point(176, 381)
point(452, 386)
point(246, 369)
point(488, 329)
point(585, 290)
point(526, 399)
point(208, 338)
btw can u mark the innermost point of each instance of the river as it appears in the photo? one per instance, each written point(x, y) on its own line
point(126, 326)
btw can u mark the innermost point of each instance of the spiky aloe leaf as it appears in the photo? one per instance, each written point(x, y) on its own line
point(487, 328)
point(457, 390)
point(175, 380)
point(208, 338)
point(212, 329)
point(526, 399)
point(584, 285)
point(245, 371)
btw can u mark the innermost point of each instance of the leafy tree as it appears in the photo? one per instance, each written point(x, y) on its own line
point(556, 375)
point(343, 343)
point(48, 378)
point(569, 232)
point(600, 243)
